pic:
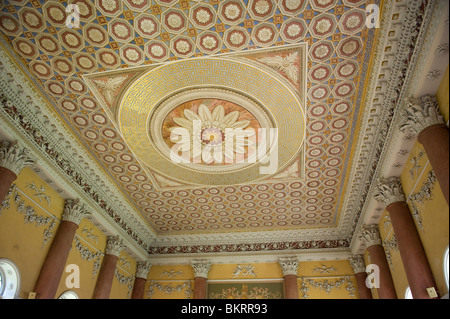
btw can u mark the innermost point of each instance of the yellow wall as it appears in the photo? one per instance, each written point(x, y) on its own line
point(163, 281)
point(23, 243)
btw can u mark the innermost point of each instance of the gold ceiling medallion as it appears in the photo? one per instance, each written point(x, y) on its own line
point(212, 121)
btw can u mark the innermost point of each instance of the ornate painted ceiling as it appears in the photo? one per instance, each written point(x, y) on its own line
point(133, 72)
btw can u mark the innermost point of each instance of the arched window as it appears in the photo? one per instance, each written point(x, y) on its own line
point(9, 279)
point(69, 294)
point(446, 266)
point(408, 293)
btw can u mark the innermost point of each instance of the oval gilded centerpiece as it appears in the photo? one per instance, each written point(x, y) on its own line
point(215, 115)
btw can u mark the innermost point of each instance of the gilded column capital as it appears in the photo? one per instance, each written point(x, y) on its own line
point(142, 269)
point(14, 157)
point(114, 245)
point(201, 267)
point(358, 263)
point(389, 191)
point(289, 265)
point(370, 235)
point(74, 211)
point(421, 113)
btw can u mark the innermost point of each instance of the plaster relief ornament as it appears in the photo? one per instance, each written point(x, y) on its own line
point(212, 134)
point(110, 86)
point(284, 64)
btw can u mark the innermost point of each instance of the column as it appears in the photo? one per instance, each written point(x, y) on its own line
point(289, 265)
point(359, 267)
point(142, 269)
point(12, 160)
point(414, 259)
point(370, 235)
point(106, 275)
point(422, 117)
point(201, 269)
point(55, 261)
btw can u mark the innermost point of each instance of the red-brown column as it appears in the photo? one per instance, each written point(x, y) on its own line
point(415, 262)
point(106, 274)
point(289, 265)
point(12, 160)
point(7, 177)
point(201, 269)
point(141, 278)
point(199, 288)
point(422, 117)
point(357, 262)
point(371, 236)
point(55, 261)
point(378, 257)
point(413, 255)
point(435, 141)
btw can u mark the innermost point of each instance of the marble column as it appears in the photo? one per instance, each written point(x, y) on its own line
point(12, 160)
point(370, 235)
point(422, 118)
point(142, 269)
point(201, 269)
point(415, 262)
point(359, 267)
point(289, 265)
point(105, 278)
point(55, 261)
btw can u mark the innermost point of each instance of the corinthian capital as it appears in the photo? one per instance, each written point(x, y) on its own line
point(389, 190)
point(74, 211)
point(13, 157)
point(370, 235)
point(114, 245)
point(289, 265)
point(200, 267)
point(358, 264)
point(142, 269)
point(421, 113)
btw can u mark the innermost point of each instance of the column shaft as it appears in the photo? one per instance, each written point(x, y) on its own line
point(199, 288)
point(378, 257)
point(413, 255)
point(138, 289)
point(105, 277)
point(55, 261)
point(7, 177)
point(435, 141)
point(290, 287)
point(364, 291)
